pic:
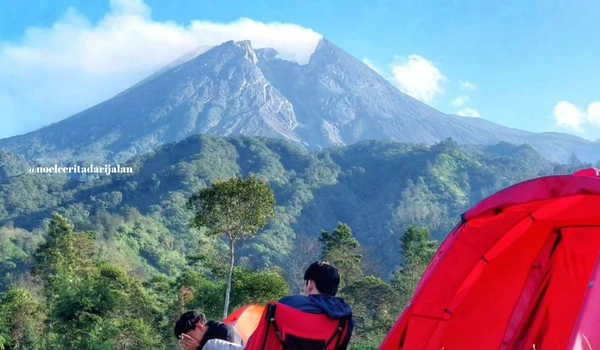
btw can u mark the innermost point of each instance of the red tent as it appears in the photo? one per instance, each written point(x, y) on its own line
point(245, 319)
point(518, 272)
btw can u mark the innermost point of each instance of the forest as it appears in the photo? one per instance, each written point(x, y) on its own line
point(109, 262)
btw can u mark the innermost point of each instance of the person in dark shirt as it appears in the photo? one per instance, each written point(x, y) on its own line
point(194, 331)
point(321, 283)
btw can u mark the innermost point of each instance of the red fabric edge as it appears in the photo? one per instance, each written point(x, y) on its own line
point(395, 335)
point(538, 189)
point(585, 331)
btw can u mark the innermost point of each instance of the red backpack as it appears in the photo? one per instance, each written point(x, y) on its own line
point(285, 328)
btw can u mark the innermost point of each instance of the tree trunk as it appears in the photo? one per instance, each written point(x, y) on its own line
point(229, 277)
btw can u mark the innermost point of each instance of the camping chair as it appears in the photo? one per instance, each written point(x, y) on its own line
point(285, 328)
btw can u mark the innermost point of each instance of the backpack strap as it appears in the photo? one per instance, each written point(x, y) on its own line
point(270, 317)
point(339, 332)
point(272, 322)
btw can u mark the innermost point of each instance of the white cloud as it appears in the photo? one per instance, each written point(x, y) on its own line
point(421, 79)
point(569, 116)
point(418, 78)
point(57, 71)
point(469, 112)
point(461, 101)
point(593, 113)
point(466, 85)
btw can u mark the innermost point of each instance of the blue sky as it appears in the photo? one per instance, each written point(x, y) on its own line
point(533, 65)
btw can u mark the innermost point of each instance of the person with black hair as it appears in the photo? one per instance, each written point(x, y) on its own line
point(321, 283)
point(194, 331)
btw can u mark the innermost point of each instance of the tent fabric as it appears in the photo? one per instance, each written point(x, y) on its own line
point(283, 327)
point(518, 272)
point(246, 320)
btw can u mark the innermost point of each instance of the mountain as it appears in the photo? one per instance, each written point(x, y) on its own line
point(553, 145)
point(179, 61)
point(233, 89)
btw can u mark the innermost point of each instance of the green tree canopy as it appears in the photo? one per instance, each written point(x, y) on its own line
point(342, 250)
point(21, 320)
point(237, 209)
point(417, 250)
point(64, 256)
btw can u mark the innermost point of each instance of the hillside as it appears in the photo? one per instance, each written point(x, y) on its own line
point(553, 145)
point(233, 89)
point(377, 188)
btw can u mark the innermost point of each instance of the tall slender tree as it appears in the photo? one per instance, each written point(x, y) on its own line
point(236, 209)
point(64, 256)
point(343, 250)
point(417, 248)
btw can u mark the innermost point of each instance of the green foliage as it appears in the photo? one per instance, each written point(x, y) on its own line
point(340, 238)
point(21, 320)
point(252, 287)
point(377, 188)
point(383, 190)
point(237, 208)
point(417, 249)
point(342, 250)
point(11, 165)
point(101, 307)
point(64, 257)
point(197, 291)
point(376, 303)
point(373, 300)
point(88, 304)
point(308, 249)
point(16, 254)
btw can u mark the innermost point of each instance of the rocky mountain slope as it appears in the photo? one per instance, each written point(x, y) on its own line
point(233, 89)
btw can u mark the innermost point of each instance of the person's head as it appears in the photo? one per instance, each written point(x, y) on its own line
point(193, 324)
point(321, 278)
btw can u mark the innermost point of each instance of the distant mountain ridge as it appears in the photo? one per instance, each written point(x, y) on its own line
point(376, 187)
point(233, 89)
